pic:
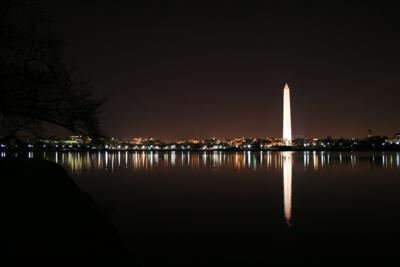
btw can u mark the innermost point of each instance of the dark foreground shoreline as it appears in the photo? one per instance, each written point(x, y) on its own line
point(47, 219)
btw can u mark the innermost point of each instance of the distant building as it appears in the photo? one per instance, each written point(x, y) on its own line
point(395, 140)
point(137, 141)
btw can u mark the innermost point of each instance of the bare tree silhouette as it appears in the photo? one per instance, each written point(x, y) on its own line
point(36, 86)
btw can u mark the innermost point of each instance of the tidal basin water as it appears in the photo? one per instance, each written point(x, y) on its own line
point(255, 208)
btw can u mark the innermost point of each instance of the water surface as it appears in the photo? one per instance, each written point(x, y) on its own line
point(255, 208)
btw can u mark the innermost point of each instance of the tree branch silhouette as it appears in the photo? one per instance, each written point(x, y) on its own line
point(36, 85)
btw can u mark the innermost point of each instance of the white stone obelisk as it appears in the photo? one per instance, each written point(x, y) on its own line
point(287, 120)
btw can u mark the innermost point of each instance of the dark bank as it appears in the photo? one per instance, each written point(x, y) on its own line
point(46, 218)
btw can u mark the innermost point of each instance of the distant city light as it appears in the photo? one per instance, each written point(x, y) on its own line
point(237, 144)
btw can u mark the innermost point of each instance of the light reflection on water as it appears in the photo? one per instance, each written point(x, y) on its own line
point(78, 163)
point(275, 198)
point(287, 186)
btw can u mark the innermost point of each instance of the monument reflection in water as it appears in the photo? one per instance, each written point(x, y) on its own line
point(287, 186)
point(229, 207)
point(81, 163)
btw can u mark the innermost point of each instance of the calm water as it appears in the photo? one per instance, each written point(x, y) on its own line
point(195, 208)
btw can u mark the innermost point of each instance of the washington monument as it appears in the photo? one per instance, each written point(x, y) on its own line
point(287, 120)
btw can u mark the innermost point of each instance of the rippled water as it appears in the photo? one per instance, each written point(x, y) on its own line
point(213, 208)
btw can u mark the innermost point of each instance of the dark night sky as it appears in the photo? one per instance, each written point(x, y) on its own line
point(185, 71)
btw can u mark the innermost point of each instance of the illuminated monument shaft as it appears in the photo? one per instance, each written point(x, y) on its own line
point(287, 120)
